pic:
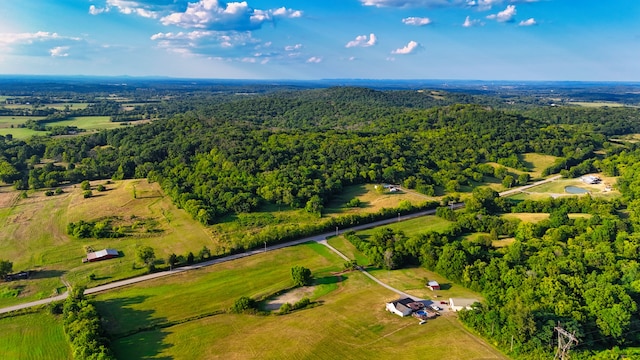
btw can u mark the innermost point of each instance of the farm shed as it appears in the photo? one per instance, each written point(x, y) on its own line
point(433, 285)
point(101, 255)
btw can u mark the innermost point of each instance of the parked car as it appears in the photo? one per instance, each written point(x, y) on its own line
point(435, 307)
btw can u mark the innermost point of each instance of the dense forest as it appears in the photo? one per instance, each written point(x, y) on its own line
point(216, 154)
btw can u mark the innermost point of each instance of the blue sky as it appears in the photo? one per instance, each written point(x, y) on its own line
point(588, 40)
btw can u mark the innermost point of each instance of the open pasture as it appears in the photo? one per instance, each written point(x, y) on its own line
point(350, 322)
point(371, 200)
point(536, 163)
point(34, 235)
point(37, 336)
point(414, 226)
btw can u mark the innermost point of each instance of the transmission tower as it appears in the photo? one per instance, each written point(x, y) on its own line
point(565, 341)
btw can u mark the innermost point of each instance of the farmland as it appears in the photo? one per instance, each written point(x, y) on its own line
point(36, 336)
point(365, 327)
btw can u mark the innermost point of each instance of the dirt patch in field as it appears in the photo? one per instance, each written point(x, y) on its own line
point(291, 297)
point(7, 198)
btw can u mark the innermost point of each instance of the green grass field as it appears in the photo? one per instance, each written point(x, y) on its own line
point(34, 235)
point(537, 217)
point(349, 323)
point(557, 188)
point(414, 226)
point(536, 163)
point(36, 336)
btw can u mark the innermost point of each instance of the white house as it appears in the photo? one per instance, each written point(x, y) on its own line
point(457, 304)
point(399, 307)
point(591, 179)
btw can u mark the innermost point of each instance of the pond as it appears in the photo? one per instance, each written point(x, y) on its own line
point(575, 190)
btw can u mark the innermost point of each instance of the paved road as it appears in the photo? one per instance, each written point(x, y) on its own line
point(182, 269)
point(318, 238)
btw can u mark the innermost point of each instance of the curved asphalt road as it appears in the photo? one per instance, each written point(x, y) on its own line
point(317, 238)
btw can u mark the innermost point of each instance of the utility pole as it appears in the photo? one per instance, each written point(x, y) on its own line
point(565, 341)
point(336, 231)
point(265, 246)
point(398, 217)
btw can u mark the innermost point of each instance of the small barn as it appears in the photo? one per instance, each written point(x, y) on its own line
point(433, 285)
point(400, 307)
point(101, 255)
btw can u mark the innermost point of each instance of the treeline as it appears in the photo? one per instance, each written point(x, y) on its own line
point(83, 328)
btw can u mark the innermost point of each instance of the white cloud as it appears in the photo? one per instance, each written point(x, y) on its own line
point(505, 15)
point(93, 10)
point(416, 21)
point(470, 23)
point(480, 4)
point(408, 49)
point(59, 51)
point(314, 60)
point(412, 3)
point(293, 47)
point(207, 42)
point(217, 15)
point(128, 8)
point(363, 41)
point(528, 22)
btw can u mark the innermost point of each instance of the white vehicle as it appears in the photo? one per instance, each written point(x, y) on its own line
point(435, 307)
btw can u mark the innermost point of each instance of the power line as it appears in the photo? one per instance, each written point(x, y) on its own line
point(565, 341)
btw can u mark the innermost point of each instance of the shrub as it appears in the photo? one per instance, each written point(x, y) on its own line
point(87, 194)
point(59, 191)
point(301, 276)
point(285, 308)
point(302, 303)
point(243, 304)
point(48, 193)
point(101, 188)
point(85, 185)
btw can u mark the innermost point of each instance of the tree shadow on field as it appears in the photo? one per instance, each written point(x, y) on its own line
point(333, 279)
point(46, 274)
point(134, 333)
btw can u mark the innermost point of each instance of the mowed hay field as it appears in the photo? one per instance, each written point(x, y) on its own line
point(536, 163)
point(349, 322)
point(37, 336)
point(34, 236)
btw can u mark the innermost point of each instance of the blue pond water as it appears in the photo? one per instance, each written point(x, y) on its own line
point(575, 190)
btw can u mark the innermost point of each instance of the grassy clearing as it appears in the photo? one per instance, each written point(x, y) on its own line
point(350, 323)
point(36, 336)
point(414, 226)
point(536, 163)
point(214, 288)
point(344, 246)
point(371, 200)
point(238, 228)
point(34, 235)
point(537, 217)
point(89, 123)
point(596, 104)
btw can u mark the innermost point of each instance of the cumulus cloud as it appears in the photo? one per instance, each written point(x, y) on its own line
point(416, 21)
point(480, 4)
point(505, 15)
point(293, 47)
point(528, 22)
point(468, 22)
point(59, 51)
point(217, 15)
point(363, 41)
point(199, 14)
point(411, 47)
point(207, 42)
point(314, 60)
